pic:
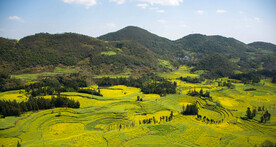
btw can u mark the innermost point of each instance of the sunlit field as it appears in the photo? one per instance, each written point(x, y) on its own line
point(116, 119)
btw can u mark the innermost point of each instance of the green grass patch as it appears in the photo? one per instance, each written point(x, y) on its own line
point(31, 77)
point(109, 53)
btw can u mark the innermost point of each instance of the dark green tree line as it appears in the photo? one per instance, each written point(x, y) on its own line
point(13, 108)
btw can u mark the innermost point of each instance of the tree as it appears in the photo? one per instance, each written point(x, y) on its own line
point(190, 110)
point(18, 144)
point(254, 113)
point(248, 113)
point(201, 92)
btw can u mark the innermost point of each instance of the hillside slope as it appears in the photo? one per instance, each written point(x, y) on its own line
point(71, 49)
point(263, 45)
point(155, 43)
point(202, 45)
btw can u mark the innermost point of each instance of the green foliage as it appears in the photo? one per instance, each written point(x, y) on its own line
point(200, 93)
point(148, 85)
point(190, 110)
point(247, 78)
point(90, 91)
point(157, 44)
point(69, 49)
point(133, 56)
point(55, 85)
point(204, 45)
point(8, 108)
point(191, 79)
point(226, 83)
point(8, 83)
point(34, 76)
point(265, 117)
point(254, 77)
point(217, 66)
point(263, 46)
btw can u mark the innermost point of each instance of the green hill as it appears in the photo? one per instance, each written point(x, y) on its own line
point(157, 44)
point(128, 50)
point(193, 45)
point(263, 46)
point(217, 66)
point(69, 49)
point(202, 45)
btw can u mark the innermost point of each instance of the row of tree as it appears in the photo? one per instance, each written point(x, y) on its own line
point(265, 117)
point(155, 121)
point(13, 108)
point(90, 91)
point(148, 84)
point(207, 120)
point(250, 115)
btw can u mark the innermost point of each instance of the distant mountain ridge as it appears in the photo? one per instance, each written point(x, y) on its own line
point(193, 43)
point(127, 50)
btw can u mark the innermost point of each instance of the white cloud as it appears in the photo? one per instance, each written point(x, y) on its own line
point(200, 12)
point(163, 2)
point(15, 18)
point(257, 19)
point(161, 21)
point(241, 12)
point(111, 25)
point(143, 5)
point(221, 11)
point(87, 3)
point(160, 11)
point(118, 1)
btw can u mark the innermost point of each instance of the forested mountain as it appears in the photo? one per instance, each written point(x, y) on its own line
point(216, 65)
point(130, 49)
point(71, 49)
point(157, 44)
point(263, 46)
point(202, 45)
point(196, 45)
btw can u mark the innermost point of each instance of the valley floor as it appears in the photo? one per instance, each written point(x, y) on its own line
point(116, 119)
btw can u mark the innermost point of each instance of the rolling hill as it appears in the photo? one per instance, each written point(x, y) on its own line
point(263, 45)
point(69, 49)
point(155, 43)
point(202, 45)
point(128, 50)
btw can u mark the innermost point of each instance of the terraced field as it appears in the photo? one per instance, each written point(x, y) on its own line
point(114, 119)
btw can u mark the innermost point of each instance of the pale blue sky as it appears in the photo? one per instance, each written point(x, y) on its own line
point(245, 20)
